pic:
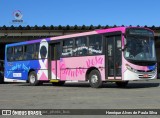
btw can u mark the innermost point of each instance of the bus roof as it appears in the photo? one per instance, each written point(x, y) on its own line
point(99, 31)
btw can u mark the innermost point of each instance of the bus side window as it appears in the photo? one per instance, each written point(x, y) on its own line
point(10, 54)
point(18, 53)
point(95, 44)
point(81, 47)
point(29, 51)
point(67, 49)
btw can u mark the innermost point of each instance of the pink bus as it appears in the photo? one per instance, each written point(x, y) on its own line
point(117, 55)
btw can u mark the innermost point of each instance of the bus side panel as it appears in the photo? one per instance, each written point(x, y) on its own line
point(42, 75)
point(53, 70)
point(42, 72)
point(19, 69)
point(75, 68)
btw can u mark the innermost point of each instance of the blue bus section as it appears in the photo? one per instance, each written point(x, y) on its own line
point(152, 67)
point(20, 69)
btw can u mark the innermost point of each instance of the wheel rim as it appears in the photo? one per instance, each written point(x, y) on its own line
point(32, 78)
point(94, 79)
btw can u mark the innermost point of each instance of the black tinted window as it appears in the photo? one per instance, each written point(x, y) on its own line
point(81, 47)
point(95, 44)
point(29, 52)
point(18, 53)
point(67, 49)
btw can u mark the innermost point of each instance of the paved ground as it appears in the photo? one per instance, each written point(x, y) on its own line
point(137, 95)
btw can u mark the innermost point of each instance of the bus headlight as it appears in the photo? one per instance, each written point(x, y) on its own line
point(130, 68)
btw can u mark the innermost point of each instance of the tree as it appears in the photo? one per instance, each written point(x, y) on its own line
point(145, 26)
point(115, 26)
point(67, 27)
point(4, 27)
point(28, 27)
point(75, 27)
point(43, 27)
point(51, 27)
point(59, 27)
point(99, 27)
point(122, 26)
point(20, 27)
point(91, 27)
point(12, 27)
point(36, 27)
point(106, 26)
point(83, 27)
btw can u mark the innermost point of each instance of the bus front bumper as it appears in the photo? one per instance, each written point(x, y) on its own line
point(129, 75)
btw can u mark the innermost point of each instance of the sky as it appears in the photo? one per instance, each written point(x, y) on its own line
point(81, 12)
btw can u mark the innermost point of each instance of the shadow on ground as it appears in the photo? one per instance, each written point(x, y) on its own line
point(105, 85)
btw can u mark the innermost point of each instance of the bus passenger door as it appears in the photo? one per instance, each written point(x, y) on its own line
point(113, 57)
point(54, 61)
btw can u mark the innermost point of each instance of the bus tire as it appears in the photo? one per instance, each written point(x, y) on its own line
point(60, 83)
point(95, 80)
point(33, 79)
point(122, 84)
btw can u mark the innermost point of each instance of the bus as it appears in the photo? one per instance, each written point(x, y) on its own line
point(119, 55)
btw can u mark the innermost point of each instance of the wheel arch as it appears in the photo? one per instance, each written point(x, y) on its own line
point(31, 70)
point(88, 72)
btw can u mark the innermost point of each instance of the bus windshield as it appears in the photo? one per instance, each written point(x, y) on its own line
point(140, 48)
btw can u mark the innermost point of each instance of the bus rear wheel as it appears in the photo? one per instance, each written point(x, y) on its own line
point(33, 79)
point(95, 79)
point(60, 83)
point(122, 84)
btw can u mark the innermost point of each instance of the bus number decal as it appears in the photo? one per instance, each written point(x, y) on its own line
point(17, 74)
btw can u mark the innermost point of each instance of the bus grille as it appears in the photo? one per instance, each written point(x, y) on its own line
point(144, 77)
point(145, 71)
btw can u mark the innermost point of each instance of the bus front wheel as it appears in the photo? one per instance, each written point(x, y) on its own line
point(33, 78)
point(122, 84)
point(95, 79)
